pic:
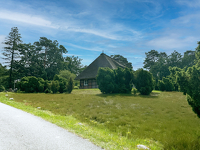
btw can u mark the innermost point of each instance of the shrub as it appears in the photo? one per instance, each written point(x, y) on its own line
point(161, 85)
point(105, 80)
point(143, 81)
point(70, 85)
point(115, 81)
point(189, 82)
point(134, 91)
point(55, 86)
point(2, 88)
point(166, 84)
point(31, 84)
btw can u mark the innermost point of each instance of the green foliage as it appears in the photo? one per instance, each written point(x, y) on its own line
point(197, 54)
point(31, 84)
point(106, 80)
point(11, 53)
point(73, 64)
point(115, 81)
point(158, 63)
point(55, 86)
point(189, 82)
point(70, 85)
point(143, 81)
point(4, 76)
point(2, 88)
point(166, 84)
point(134, 91)
point(66, 74)
point(122, 60)
point(163, 117)
point(161, 85)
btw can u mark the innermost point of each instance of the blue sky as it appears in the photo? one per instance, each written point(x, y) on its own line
point(87, 27)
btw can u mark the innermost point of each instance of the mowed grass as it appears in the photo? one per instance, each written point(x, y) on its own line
point(162, 117)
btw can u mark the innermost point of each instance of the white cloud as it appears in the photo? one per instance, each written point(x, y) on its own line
point(25, 18)
point(171, 43)
point(190, 3)
point(84, 48)
point(187, 20)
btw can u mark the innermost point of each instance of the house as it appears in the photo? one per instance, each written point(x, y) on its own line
point(88, 76)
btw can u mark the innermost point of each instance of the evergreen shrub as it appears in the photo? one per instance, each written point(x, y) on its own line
point(143, 81)
point(115, 81)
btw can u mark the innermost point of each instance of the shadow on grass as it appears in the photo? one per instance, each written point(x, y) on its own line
point(152, 95)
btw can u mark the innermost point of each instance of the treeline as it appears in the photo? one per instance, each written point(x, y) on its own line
point(161, 64)
point(177, 73)
point(42, 59)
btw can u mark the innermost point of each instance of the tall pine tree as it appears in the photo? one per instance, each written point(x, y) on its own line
point(11, 51)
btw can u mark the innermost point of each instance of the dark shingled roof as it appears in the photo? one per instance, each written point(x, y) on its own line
point(102, 61)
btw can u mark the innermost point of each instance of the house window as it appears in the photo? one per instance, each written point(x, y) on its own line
point(85, 82)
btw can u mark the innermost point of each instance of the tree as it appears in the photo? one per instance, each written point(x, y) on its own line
point(175, 59)
point(143, 81)
point(73, 64)
point(156, 63)
point(188, 59)
point(122, 60)
point(51, 54)
point(30, 63)
point(151, 59)
point(197, 55)
point(66, 74)
point(11, 51)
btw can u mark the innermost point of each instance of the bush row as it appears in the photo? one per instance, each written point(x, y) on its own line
point(32, 84)
point(121, 80)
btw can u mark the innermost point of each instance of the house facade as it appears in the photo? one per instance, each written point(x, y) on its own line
point(88, 76)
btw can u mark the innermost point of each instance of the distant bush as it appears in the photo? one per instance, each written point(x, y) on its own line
point(55, 86)
point(2, 88)
point(143, 81)
point(161, 85)
point(31, 84)
point(70, 85)
point(166, 84)
point(115, 81)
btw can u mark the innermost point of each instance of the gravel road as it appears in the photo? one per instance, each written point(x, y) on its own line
point(22, 131)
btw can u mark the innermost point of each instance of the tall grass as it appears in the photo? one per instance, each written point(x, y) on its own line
point(163, 116)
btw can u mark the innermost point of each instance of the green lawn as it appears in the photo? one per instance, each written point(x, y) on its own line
point(121, 121)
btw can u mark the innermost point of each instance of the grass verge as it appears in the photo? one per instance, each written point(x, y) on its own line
point(120, 121)
point(100, 136)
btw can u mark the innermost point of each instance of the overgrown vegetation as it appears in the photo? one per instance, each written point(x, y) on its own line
point(115, 81)
point(164, 117)
point(143, 81)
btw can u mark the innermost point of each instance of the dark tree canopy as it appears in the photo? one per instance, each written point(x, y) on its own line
point(73, 64)
point(51, 55)
point(122, 60)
